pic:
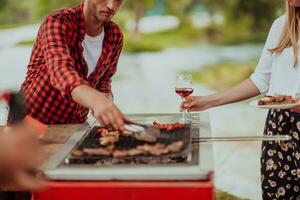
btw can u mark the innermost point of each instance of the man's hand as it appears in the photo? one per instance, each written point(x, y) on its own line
point(20, 158)
point(102, 107)
point(107, 112)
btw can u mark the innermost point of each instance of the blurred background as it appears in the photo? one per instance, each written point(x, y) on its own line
point(218, 41)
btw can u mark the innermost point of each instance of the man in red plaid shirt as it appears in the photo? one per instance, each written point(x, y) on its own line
point(73, 60)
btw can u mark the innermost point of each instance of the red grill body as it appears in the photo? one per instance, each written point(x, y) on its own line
point(129, 190)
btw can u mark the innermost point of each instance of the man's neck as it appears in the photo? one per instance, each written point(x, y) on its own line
point(93, 27)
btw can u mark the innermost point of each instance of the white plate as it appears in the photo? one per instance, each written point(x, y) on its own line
point(279, 106)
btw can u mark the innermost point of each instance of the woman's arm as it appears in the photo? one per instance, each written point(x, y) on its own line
point(258, 83)
point(242, 91)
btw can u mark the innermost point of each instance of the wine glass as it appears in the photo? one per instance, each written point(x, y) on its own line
point(184, 88)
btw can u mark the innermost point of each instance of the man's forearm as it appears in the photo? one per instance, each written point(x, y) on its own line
point(240, 92)
point(108, 96)
point(87, 96)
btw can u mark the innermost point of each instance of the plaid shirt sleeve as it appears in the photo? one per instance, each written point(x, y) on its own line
point(105, 82)
point(59, 62)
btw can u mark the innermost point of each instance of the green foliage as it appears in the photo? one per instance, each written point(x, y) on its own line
point(11, 25)
point(235, 34)
point(182, 9)
point(225, 75)
point(44, 7)
point(3, 4)
point(259, 13)
point(132, 3)
point(156, 41)
point(183, 36)
point(225, 196)
point(245, 20)
point(15, 11)
point(26, 43)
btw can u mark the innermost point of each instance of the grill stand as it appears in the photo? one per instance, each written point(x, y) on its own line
point(184, 182)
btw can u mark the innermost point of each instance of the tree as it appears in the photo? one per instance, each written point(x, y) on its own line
point(44, 7)
point(3, 3)
point(13, 11)
point(138, 7)
point(182, 9)
point(260, 13)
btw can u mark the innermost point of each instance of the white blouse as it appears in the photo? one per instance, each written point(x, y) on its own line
point(275, 74)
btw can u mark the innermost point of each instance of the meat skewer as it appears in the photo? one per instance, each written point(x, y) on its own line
point(242, 138)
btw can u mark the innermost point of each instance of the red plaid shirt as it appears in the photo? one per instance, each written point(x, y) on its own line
point(57, 66)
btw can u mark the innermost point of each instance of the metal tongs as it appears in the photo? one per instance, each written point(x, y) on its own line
point(142, 132)
point(243, 138)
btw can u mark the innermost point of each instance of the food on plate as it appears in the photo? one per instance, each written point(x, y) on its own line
point(168, 127)
point(277, 100)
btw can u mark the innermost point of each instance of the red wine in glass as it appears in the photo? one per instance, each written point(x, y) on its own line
point(184, 92)
point(184, 88)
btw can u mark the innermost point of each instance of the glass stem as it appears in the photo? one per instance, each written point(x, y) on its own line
point(184, 114)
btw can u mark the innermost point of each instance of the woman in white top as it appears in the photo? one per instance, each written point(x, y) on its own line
point(277, 73)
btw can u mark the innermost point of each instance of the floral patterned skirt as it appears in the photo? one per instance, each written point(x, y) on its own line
point(280, 161)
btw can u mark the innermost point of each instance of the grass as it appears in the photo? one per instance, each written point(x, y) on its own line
point(234, 34)
point(26, 43)
point(224, 75)
point(9, 26)
point(153, 42)
point(186, 36)
point(225, 196)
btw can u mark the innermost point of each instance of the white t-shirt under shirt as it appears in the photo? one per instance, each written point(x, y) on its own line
point(92, 49)
point(275, 74)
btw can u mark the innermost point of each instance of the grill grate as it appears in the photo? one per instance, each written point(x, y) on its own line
point(91, 140)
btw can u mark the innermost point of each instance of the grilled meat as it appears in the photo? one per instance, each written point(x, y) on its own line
point(149, 136)
point(273, 100)
point(135, 152)
point(77, 153)
point(168, 127)
point(175, 147)
point(109, 136)
point(105, 141)
point(157, 150)
point(120, 154)
point(99, 151)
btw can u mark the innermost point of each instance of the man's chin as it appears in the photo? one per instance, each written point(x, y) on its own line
point(103, 19)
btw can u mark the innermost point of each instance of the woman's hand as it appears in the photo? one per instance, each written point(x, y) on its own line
point(296, 109)
point(194, 103)
point(240, 92)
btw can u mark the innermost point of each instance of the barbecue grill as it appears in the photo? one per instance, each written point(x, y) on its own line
point(193, 162)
